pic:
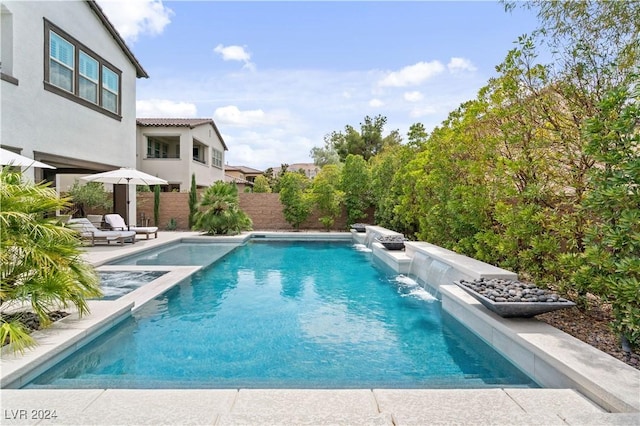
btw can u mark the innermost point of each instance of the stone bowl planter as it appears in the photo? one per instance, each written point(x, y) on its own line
point(359, 227)
point(392, 242)
point(513, 299)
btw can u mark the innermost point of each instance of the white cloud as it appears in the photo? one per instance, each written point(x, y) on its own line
point(376, 103)
point(133, 18)
point(413, 96)
point(422, 111)
point(456, 65)
point(163, 108)
point(231, 115)
point(412, 75)
point(235, 53)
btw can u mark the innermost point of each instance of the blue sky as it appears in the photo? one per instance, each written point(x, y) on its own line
point(276, 77)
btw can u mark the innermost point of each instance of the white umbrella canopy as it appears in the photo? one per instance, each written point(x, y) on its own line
point(8, 158)
point(126, 176)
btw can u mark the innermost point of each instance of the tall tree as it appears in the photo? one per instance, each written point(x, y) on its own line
point(193, 201)
point(296, 205)
point(355, 182)
point(326, 194)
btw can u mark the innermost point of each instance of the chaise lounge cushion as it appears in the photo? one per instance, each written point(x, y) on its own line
point(116, 222)
point(86, 229)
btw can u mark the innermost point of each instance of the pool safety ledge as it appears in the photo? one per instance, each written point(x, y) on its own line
point(552, 358)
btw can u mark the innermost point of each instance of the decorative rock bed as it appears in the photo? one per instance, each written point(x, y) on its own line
point(359, 227)
point(392, 242)
point(510, 298)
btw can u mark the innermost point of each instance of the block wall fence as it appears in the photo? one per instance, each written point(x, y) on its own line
point(265, 210)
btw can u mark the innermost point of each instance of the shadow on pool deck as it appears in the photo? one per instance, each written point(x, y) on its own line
point(511, 406)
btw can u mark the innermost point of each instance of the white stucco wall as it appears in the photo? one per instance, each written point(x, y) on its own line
point(38, 120)
point(178, 171)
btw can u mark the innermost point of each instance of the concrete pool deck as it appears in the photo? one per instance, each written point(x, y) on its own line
point(509, 406)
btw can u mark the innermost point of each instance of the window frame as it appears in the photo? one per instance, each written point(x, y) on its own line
point(75, 94)
point(217, 158)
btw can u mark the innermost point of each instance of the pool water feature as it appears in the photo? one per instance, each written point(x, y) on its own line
point(115, 284)
point(289, 315)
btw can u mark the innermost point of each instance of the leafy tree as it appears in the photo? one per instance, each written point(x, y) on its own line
point(366, 143)
point(219, 211)
point(40, 262)
point(156, 205)
point(193, 201)
point(325, 155)
point(355, 182)
point(296, 205)
point(261, 184)
point(326, 194)
point(388, 180)
point(89, 196)
point(610, 265)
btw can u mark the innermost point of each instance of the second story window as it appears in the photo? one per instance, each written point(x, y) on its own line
point(216, 158)
point(88, 84)
point(61, 62)
point(76, 72)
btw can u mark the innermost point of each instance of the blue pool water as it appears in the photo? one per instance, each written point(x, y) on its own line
point(289, 315)
point(183, 254)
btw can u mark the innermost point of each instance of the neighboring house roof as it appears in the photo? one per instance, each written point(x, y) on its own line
point(180, 122)
point(230, 179)
point(244, 170)
point(140, 72)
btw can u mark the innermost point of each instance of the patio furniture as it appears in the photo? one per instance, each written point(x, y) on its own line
point(96, 220)
point(90, 233)
point(116, 222)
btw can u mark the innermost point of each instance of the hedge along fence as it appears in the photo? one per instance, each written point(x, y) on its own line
point(265, 210)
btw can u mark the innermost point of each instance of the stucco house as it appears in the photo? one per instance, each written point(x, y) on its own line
point(309, 169)
point(68, 91)
point(242, 174)
point(175, 148)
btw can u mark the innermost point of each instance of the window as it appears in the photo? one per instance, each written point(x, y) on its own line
point(61, 62)
point(157, 149)
point(109, 89)
point(216, 158)
point(76, 72)
point(6, 45)
point(88, 78)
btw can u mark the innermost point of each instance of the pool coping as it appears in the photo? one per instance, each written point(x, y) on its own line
point(72, 329)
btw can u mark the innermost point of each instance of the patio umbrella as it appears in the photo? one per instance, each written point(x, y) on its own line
point(8, 158)
point(127, 176)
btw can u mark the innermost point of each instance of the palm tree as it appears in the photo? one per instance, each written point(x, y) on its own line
point(219, 211)
point(40, 263)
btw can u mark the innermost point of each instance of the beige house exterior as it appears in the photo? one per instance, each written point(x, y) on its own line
point(68, 91)
point(310, 169)
point(175, 148)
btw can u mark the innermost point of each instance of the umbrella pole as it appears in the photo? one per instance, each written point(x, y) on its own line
point(128, 202)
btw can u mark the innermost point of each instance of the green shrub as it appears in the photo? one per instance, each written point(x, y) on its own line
point(219, 211)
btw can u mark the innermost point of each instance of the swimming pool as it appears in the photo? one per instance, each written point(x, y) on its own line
point(289, 315)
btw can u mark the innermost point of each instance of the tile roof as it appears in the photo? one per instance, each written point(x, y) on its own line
point(180, 122)
point(243, 169)
point(173, 122)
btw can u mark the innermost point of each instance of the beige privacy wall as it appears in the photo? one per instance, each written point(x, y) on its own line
point(264, 210)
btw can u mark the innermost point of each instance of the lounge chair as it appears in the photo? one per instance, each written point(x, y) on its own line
point(96, 219)
point(92, 234)
point(116, 222)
